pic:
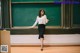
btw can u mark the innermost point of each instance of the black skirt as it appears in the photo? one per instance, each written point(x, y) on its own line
point(41, 30)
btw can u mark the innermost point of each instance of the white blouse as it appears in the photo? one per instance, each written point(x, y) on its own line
point(41, 20)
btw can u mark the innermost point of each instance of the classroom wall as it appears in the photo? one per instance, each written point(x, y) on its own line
point(67, 26)
point(0, 15)
point(54, 39)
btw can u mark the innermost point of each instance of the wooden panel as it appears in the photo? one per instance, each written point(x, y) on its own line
point(5, 39)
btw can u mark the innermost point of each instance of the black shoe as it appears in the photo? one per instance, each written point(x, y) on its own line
point(41, 49)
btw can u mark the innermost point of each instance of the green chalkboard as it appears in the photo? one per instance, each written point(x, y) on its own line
point(34, 0)
point(76, 14)
point(25, 14)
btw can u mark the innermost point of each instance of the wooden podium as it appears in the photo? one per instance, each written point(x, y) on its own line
point(5, 39)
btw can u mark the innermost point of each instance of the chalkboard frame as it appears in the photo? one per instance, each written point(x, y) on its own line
point(25, 27)
point(0, 16)
point(72, 22)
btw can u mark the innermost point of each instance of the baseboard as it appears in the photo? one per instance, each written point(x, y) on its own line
point(45, 45)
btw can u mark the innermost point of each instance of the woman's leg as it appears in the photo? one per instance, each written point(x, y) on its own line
point(42, 42)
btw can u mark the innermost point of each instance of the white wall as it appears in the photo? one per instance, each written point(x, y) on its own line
point(54, 39)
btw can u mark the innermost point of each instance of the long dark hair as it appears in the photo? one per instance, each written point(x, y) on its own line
point(40, 12)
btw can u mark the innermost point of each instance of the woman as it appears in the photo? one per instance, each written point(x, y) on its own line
point(41, 20)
